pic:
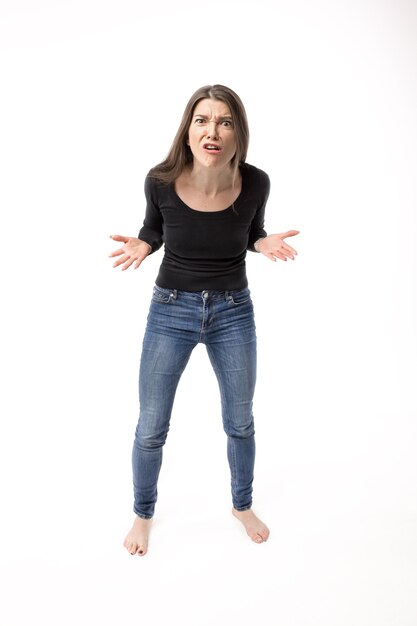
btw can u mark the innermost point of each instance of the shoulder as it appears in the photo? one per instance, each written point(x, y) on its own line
point(156, 193)
point(256, 176)
point(154, 187)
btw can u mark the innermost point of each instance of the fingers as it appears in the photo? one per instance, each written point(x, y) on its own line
point(290, 233)
point(278, 245)
point(122, 260)
point(277, 254)
point(289, 248)
point(126, 261)
point(117, 252)
point(119, 238)
point(283, 253)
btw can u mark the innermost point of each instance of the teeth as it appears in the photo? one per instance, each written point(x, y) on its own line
point(212, 147)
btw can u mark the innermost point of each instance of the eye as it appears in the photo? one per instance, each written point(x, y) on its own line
point(227, 123)
point(199, 119)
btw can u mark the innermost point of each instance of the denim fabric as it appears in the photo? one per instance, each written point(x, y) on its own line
point(176, 323)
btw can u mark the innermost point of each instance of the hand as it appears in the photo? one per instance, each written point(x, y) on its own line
point(133, 251)
point(274, 247)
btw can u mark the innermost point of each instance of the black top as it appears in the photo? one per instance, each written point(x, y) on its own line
point(205, 249)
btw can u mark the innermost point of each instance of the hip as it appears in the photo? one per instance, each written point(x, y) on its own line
point(208, 315)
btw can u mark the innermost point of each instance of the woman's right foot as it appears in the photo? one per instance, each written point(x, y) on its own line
point(136, 540)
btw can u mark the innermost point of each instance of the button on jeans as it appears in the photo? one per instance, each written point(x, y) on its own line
point(177, 322)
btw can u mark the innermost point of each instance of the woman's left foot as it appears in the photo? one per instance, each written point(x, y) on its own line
point(255, 528)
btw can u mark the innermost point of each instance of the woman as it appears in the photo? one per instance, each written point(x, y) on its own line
point(206, 204)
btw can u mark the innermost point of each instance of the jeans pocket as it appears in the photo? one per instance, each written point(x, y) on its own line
point(161, 294)
point(240, 296)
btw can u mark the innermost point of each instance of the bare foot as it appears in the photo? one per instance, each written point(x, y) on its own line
point(255, 528)
point(136, 541)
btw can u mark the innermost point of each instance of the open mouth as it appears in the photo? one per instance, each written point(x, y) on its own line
point(212, 147)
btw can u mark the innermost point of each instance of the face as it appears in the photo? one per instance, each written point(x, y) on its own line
point(212, 125)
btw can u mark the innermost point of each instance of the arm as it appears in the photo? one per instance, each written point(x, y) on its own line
point(272, 246)
point(257, 230)
point(151, 231)
point(136, 249)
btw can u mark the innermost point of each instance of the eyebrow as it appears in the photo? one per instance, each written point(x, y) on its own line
point(222, 117)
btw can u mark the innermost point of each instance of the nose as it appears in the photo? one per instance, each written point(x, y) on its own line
point(212, 129)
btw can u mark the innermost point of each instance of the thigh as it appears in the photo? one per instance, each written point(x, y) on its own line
point(232, 352)
point(165, 354)
point(235, 368)
point(162, 362)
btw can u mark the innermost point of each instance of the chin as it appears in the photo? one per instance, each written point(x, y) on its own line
point(216, 162)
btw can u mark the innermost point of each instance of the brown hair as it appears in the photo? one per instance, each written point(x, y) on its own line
point(180, 153)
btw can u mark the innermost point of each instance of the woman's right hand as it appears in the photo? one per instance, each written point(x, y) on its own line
point(133, 251)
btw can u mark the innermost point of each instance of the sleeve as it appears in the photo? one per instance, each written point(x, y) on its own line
point(257, 226)
point(152, 231)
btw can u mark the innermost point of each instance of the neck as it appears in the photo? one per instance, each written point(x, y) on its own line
point(210, 181)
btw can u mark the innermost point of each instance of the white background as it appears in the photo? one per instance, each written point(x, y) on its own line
point(91, 97)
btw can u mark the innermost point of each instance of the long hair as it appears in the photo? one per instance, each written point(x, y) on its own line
point(180, 153)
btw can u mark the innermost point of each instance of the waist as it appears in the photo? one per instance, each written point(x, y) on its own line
point(204, 294)
point(199, 281)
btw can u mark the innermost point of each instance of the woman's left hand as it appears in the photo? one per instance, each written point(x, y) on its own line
point(275, 248)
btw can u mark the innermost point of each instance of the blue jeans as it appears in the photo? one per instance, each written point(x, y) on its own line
point(177, 322)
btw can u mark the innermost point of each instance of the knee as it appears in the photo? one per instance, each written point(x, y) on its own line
point(149, 439)
point(238, 419)
point(243, 430)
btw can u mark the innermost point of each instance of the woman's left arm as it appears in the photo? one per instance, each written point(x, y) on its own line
point(272, 246)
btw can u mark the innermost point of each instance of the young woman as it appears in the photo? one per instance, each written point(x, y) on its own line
point(206, 205)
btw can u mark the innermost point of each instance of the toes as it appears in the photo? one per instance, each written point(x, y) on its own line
point(135, 548)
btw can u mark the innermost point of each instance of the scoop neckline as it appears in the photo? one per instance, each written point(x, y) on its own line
point(198, 212)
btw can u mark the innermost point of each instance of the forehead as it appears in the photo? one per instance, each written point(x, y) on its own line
point(212, 108)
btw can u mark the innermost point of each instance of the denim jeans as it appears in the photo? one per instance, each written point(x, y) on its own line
point(176, 323)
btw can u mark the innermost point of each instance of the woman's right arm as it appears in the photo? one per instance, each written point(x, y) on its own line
point(136, 249)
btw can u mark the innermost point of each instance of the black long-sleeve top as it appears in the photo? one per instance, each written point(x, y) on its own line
point(205, 249)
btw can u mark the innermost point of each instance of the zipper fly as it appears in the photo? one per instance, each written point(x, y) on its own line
point(204, 316)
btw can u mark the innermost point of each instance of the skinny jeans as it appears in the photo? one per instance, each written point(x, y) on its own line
point(177, 321)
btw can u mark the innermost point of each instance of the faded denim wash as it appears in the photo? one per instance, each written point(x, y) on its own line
point(176, 323)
